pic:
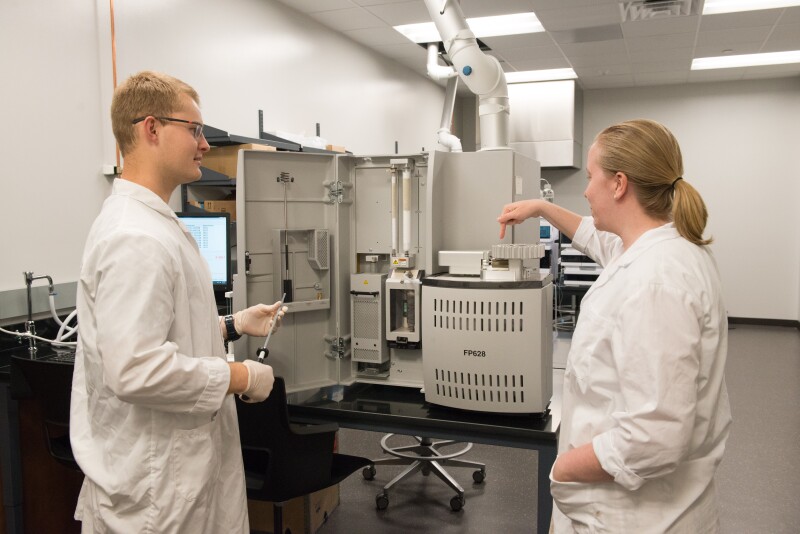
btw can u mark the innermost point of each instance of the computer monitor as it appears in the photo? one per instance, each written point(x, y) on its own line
point(211, 231)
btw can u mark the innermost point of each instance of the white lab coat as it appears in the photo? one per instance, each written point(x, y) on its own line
point(645, 384)
point(151, 424)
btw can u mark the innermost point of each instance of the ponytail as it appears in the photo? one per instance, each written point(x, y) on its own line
point(689, 213)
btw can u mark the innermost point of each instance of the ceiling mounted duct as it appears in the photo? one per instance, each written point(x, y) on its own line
point(547, 123)
point(636, 10)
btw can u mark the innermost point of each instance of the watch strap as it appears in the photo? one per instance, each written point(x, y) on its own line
point(230, 329)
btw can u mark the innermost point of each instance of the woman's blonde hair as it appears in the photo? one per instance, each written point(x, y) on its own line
point(650, 156)
point(145, 94)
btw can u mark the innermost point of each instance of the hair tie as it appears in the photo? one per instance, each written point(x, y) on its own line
point(676, 181)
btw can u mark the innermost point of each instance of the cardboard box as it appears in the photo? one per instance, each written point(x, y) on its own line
point(224, 159)
point(335, 148)
point(224, 206)
point(301, 515)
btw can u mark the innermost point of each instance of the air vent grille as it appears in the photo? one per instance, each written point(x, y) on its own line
point(480, 387)
point(636, 10)
point(478, 315)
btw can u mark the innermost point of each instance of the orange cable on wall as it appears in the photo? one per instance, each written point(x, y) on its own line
point(114, 62)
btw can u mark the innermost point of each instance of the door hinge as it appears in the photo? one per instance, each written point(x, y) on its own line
point(338, 348)
point(335, 192)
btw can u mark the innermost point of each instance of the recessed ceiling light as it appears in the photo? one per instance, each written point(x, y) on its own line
point(746, 60)
point(714, 7)
point(514, 24)
point(540, 75)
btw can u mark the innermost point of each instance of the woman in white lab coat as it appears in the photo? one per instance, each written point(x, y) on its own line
point(645, 409)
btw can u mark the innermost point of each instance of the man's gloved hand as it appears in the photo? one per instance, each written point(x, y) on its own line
point(256, 320)
point(259, 381)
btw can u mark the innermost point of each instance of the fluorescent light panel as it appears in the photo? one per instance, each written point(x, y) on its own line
point(514, 24)
point(746, 60)
point(540, 75)
point(714, 7)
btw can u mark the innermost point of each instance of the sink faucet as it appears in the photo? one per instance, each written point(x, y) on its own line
point(30, 326)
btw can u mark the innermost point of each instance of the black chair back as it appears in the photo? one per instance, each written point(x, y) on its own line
point(282, 462)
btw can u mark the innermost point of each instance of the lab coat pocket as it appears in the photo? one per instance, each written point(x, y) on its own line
point(576, 500)
point(195, 460)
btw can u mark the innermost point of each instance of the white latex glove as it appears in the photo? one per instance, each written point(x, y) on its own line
point(256, 320)
point(259, 381)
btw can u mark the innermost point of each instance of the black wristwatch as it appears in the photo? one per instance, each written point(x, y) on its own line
point(230, 329)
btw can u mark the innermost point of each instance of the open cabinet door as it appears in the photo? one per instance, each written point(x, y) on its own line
point(292, 236)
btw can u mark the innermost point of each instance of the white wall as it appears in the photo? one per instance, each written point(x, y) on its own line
point(50, 137)
point(241, 56)
point(740, 143)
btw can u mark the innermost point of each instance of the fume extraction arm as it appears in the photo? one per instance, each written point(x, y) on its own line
point(481, 72)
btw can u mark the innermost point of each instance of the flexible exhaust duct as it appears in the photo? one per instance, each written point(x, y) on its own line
point(436, 71)
point(482, 73)
point(446, 138)
point(442, 72)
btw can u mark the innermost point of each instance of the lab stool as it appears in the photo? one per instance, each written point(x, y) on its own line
point(424, 456)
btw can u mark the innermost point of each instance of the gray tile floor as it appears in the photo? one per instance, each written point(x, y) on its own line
point(758, 481)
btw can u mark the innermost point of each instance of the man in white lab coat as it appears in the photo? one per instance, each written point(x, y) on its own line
point(645, 413)
point(153, 424)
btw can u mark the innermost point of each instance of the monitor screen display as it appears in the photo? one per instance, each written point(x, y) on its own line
point(211, 231)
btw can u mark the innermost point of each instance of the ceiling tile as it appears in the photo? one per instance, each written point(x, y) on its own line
point(594, 49)
point(538, 52)
point(601, 60)
point(482, 8)
point(315, 6)
point(587, 16)
point(745, 19)
point(588, 35)
point(539, 64)
point(543, 5)
point(377, 2)
point(733, 37)
point(401, 13)
point(789, 33)
point(407, 49)
point(727, 50)
point(524, 40)
point(661, 66)
point(608, 70)
point(665, 54)
point(348, 19)
point(660, 42)
point(790, 15)
point(376, 36)
point(661, 26)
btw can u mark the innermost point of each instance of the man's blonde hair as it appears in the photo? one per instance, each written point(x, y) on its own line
point(143, 94)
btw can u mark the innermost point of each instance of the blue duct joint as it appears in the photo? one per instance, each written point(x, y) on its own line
point(467, 70)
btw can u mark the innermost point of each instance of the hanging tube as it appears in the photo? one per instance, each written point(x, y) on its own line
point(406, 210)
point(436, 71)
point(394, 211)
point(446, 138)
